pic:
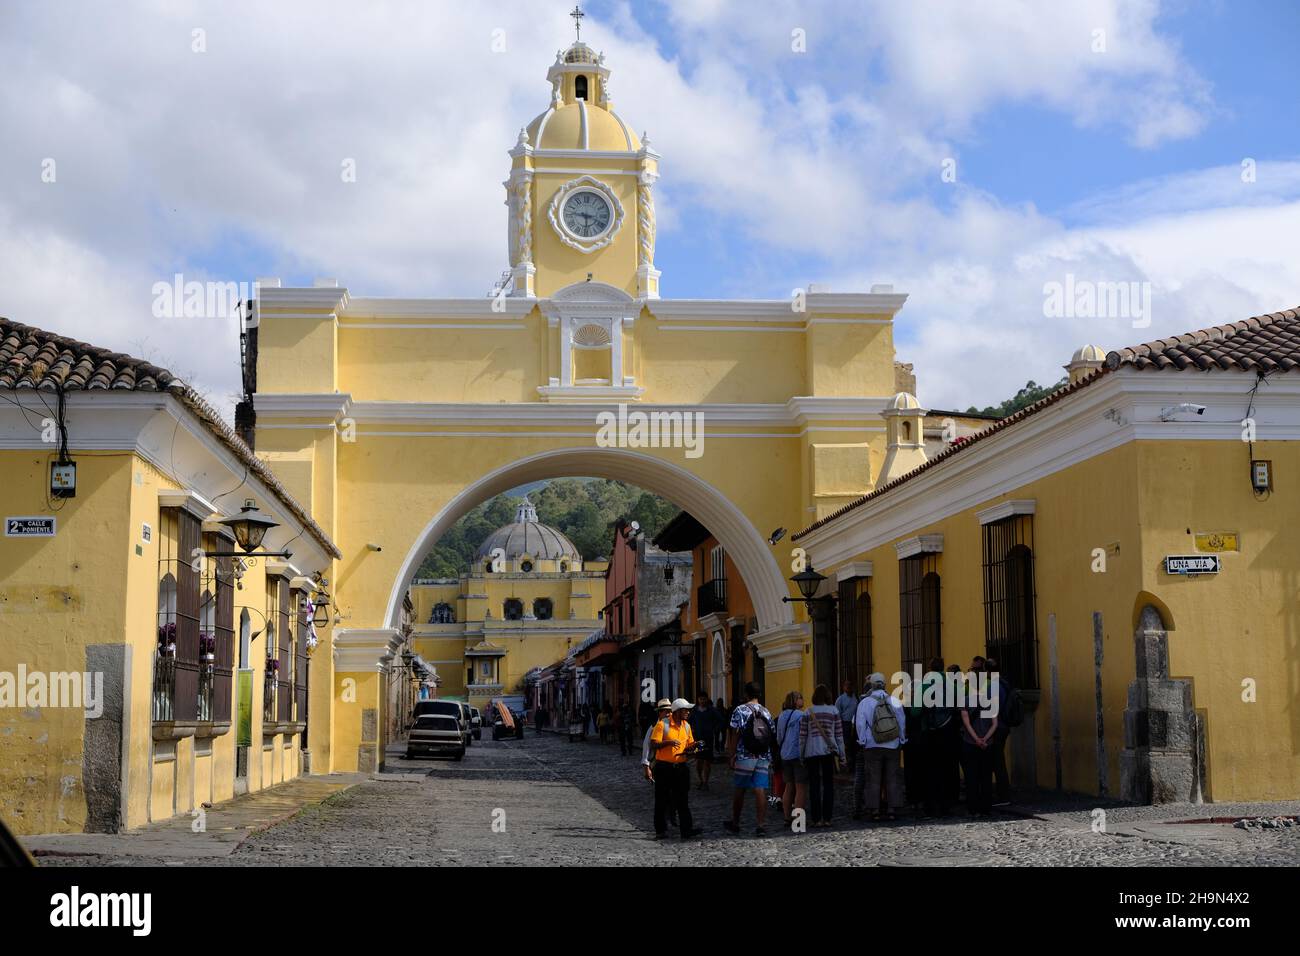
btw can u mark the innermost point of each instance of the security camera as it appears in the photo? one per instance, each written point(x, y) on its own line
point(776, 536)
point(1169, 413)
point(374, 547)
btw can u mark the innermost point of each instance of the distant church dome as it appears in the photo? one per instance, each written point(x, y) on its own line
point(904, 400)
point(526, 537)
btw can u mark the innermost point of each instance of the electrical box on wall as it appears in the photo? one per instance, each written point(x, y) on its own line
point(63, 479)
point(1261, 475)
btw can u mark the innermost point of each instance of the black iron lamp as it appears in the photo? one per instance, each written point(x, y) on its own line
point(809, 582)
point(249, 527)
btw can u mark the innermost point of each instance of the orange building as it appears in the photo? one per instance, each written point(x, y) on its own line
point(718, 657)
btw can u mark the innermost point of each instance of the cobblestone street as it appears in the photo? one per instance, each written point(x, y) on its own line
point(583, 804)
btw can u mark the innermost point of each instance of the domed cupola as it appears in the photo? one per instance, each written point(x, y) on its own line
point(526, 546)
point(579, 193)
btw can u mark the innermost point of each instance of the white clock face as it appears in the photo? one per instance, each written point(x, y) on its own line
point(587, 214)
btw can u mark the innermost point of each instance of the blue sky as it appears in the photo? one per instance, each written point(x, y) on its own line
point(780, 167)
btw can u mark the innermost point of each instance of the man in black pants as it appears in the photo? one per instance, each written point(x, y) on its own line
point(672, 742)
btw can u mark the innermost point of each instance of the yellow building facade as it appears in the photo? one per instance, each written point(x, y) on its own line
point(1122, 551)
point(391, 418)
point(528, 599)
point(141, 676)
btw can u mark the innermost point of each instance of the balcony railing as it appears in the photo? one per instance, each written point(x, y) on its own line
point(164, 687)
point(268, 696)
point(711, 597)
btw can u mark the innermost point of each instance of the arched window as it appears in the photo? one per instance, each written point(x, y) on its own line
point(907, 431)
point(513, 609)
point(442, 613)
point(543, 608)
point(564, 566)
point(580, 87)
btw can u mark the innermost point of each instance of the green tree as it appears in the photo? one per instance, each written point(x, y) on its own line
point(1032, 392)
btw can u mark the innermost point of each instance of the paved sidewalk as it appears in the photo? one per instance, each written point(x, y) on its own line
point(225, 826)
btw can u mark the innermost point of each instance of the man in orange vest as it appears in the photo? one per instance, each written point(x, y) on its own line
point(673, 743)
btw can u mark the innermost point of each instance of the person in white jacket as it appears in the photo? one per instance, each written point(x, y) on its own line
point(880, 740)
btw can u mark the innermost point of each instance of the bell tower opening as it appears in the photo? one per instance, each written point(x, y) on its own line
point(580, 87)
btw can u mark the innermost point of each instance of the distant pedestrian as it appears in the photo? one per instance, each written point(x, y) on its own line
point(882, 729)
point(626, 729)
point(750, 739)
point(936, 730)
point(724, 722)
point(673, 743)
point(847, 707)
point(978, 728)
point(704, 724)
point(821, 742)
point(793, 770)
point(1008, 717)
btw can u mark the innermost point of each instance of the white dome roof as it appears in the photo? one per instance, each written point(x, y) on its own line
point(528, 537)
point(904, 400)
point(1089, 353)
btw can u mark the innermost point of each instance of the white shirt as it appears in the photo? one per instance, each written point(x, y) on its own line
point(862, 720)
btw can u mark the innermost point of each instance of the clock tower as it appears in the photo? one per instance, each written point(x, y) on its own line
point(579, 193)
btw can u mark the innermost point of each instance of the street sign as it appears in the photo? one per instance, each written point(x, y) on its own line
point(1213, 542)
point(1192, 564)
point(37, 527)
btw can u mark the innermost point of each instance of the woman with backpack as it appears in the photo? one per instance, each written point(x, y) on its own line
point(882, 729)
point(795, 795)
point(821, 742)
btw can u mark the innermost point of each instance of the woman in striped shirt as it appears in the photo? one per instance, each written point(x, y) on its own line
point(821, 741)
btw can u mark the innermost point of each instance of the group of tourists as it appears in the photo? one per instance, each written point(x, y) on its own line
point(914, 753)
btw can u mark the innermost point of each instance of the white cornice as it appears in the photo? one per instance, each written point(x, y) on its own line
point(330, 407)
point(430, 309)
point(1005, 509)
point(877, 304)
point(364, 649)
point(585, 393)
point(854, 569)
point(795, 412)
point(321, 301)
point(189, 501)
point(921, 544)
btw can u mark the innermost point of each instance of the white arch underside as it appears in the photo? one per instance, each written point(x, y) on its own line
point(749, 550)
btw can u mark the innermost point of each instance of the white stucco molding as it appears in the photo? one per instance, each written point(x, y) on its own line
point(854, 569)
point(1005, 509)
point(321, 407)
point(186, 500)
point(782, 648)
point(364, 649)
point(921, 544)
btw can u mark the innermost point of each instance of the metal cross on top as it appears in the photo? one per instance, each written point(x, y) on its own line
point(577, 15)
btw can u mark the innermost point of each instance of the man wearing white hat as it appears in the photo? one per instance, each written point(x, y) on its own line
point(673, 742)
point(662, 709)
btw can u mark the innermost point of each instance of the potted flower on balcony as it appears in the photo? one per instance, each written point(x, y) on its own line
point(167, 639)
point(207, 647)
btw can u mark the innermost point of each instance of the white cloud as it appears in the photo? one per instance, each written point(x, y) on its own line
point(170, 159)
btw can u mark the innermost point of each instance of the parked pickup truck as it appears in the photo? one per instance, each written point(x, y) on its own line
point(435, 734)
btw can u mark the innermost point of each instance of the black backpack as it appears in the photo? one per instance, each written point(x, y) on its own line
point(1015, 709)
point(756, 737)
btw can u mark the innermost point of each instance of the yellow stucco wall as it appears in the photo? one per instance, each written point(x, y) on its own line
point(1137, 503)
